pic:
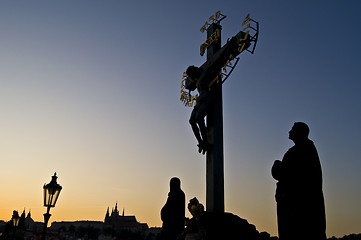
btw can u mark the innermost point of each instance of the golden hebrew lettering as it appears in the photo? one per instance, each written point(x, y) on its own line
point(211, 19)
point(213, 38)
point(209, 41)
point(217, 35)
point(218, 14)
point(249, 25)
point(204, 27)
point(246, 20)
point(240, 48)
point(228, 64)
point(245, 37)
point(242, 44)
point(203, 49)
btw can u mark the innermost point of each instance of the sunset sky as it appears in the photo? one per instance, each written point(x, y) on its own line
point(90, 89)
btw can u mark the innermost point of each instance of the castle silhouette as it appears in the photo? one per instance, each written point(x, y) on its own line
point(117, 221)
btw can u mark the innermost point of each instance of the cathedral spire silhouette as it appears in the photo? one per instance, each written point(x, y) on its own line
point(107, 216)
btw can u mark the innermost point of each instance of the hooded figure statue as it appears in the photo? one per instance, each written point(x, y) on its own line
point(173, 212)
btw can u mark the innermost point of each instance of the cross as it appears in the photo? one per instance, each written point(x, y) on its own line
point(208, 80)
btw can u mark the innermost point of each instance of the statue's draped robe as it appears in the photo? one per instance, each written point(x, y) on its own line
point(299, 196)
point(172, 215)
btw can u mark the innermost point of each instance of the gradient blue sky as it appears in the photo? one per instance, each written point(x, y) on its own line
point(90, 90)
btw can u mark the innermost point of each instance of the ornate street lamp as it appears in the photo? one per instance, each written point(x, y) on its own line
point(51, 194)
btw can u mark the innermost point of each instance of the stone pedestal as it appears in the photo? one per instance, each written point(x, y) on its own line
point(227, 226)
point(218, 226)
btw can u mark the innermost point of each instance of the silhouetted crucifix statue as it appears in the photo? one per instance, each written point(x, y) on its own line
point(207, 79)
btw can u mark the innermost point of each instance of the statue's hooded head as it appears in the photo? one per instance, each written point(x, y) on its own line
point(175, 184)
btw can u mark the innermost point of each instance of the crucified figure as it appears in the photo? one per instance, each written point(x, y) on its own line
point(198, 77)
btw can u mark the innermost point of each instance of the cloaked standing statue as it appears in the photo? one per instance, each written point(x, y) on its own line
point(299, 195)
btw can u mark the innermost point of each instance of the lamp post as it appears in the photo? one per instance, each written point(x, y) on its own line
point(51, 194)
